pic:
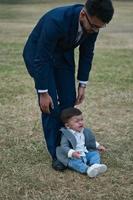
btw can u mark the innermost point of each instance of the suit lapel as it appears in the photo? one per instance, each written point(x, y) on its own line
point(70, 137)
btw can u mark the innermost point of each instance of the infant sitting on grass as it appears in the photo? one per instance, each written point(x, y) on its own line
point(78, 149)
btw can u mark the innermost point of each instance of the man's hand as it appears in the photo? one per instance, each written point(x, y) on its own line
point(76, 154)
point(81, 95)
point(45, 102)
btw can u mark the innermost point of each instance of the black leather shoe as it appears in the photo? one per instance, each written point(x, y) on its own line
point(58, 166)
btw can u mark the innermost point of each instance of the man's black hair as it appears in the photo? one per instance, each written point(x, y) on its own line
point(68, 113)
point(102, 9)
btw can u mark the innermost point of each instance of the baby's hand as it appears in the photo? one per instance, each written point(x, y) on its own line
point(76, 154)
point(102, 148)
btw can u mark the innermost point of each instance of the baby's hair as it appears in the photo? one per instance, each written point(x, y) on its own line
point(68, 113)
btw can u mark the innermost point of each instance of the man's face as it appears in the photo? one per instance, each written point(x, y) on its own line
point(90, 24)
point(75, 123)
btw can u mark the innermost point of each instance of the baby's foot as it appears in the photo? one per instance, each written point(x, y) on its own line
point(96, 169)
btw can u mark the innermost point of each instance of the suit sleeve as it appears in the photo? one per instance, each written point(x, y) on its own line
point(65, 146)
point(43, 60)
point(86, 52)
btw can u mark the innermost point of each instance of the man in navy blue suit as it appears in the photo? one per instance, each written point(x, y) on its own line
point(49, 58)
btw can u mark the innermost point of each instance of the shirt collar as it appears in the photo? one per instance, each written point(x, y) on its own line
point(80, 28)
point(73, 131)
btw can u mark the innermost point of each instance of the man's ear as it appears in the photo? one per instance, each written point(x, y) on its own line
point(82, 14)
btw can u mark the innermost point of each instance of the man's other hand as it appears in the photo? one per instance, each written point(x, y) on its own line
point(46, 102)
point(80, 96)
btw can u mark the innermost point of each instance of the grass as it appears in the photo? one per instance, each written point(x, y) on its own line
point(25, 167)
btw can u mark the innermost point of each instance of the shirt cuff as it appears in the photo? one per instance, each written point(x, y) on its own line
point(42, 91)
point(84, 82)
point(70, 152)
point(97, 144)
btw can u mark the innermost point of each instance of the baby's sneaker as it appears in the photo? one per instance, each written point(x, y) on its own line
point(96, 169)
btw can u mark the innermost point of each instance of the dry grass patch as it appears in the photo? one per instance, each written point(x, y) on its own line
point(25, 166)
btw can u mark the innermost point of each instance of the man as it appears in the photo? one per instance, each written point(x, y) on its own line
point(49, 58)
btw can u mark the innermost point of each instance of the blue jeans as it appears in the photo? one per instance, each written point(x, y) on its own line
point(81, 165)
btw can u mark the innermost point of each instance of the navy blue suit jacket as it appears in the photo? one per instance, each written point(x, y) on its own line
point(52, 43)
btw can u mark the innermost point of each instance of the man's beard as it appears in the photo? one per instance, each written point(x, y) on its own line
point(85, 30)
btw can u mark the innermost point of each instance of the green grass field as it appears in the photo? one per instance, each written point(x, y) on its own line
point(25, 168)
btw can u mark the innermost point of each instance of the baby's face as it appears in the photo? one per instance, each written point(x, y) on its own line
point(76, 123)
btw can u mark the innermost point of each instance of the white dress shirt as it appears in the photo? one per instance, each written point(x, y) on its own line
point(80, 139)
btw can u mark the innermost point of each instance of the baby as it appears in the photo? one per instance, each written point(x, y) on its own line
point(78, 149)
